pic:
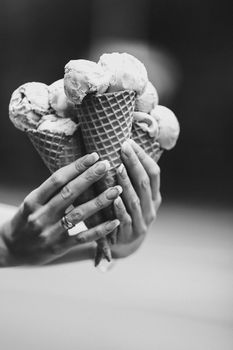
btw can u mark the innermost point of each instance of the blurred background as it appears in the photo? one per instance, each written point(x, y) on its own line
point(180, 290)
point(187, 49)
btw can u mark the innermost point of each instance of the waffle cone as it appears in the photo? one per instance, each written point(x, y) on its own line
point(106, 122)
point(56, 150)
point(148, 144)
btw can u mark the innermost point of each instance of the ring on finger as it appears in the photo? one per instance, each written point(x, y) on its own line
point(66, 223)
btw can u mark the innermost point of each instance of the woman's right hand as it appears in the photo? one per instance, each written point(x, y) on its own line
point(38, 233)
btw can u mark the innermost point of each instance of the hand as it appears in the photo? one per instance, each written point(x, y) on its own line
point(140, 180)
point(37, 235)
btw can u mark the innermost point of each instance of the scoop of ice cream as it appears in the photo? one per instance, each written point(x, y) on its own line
point(147, 123)
point(59, 102)
point(83, 77)
point(28, 103)
point(169, 128)
point(127, 72)
point(148, 99)
point(57, 125)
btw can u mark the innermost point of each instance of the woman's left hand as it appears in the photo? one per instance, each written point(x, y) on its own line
point(137, 209)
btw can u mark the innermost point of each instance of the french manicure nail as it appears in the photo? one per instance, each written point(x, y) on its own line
point(92, 158)
point(112, 224)
point(118, 202)
point(126, 149)
point(102, 167)
point(113, 192)
point(122, 171)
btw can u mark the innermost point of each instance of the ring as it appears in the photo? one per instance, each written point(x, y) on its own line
point(66, 223)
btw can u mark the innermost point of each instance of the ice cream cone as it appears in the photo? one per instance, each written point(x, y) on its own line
point(56, 150)
point(106, 122)
point(149, 144)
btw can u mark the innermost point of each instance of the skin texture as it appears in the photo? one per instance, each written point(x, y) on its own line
point(137, 207)
point(35, 235)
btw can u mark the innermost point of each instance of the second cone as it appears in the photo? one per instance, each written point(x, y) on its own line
point(106, 122)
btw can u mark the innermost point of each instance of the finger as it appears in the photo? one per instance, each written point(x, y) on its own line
point(57, 205)
point(151, 167)
point(60, 243)
point(158, 202)
point(62, 176)
point(140, 180)
point(131, 201)
point(83, 211)
point(125, 221)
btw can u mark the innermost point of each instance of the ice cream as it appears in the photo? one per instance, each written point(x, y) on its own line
point(28, 103)
point(57, 125)
point(59, 102)
point(83, 77)
point(148, 99)
point(169, 128)
point(147, 123)
point(127, 72)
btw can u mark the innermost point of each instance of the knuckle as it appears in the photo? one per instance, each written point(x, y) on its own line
point(150, 217)
point(127, 220)
point(81, 238)
point(143, 230)
point(90, 175)
point(57, 180)
point(98, 234)
point(66, 192)
point(134, 160)
point(27, 206)
point(34, 224)
point(76, 215)
point(135, 203)
point(79, 165)
point(154, 171)
point(99, 202)
point(145, 183)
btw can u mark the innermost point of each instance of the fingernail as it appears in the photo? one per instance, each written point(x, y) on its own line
point(118, 202)
point(91, 158)
point(122, 171)
point(112, 224)
point(126, 149)
point(114, 192)
point(102, 167)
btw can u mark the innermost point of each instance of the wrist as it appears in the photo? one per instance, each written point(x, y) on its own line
point(5, 256)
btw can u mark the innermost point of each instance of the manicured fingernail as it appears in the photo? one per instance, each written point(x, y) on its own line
point(118, 203)
point(112, 224)
point(102, 167)
point(122, 171)
point(114, 192)
point(91, 158)
point(126, 149)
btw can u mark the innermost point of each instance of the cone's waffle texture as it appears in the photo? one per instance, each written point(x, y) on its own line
point(148, 144)
point(56, 150)
point(106, 122)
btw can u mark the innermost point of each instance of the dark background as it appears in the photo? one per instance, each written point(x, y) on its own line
point(187, 46)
